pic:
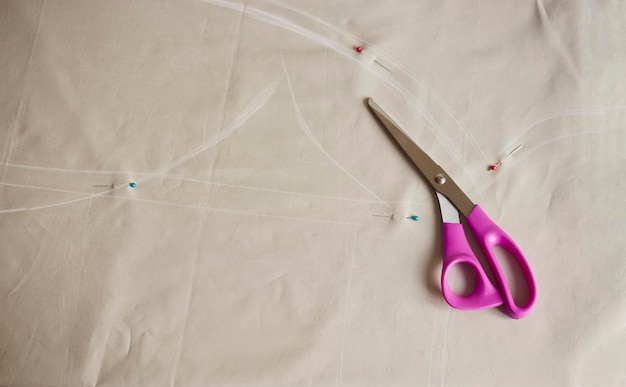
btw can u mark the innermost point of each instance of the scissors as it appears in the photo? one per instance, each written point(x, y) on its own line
point(456, 249)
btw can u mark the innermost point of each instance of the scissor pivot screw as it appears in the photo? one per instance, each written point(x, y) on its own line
point(440, 179)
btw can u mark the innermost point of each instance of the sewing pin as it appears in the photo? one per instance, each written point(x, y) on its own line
point(383, 216)
point(359, 49)
point(380, 64)
point(414, 218)
point(515, 150)
point(495, 166)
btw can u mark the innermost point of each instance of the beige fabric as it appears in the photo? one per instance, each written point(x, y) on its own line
point(249, 253)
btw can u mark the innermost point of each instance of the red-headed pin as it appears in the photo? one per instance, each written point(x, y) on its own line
point(495, 166)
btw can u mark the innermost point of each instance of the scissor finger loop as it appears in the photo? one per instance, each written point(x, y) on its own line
point(452, 201)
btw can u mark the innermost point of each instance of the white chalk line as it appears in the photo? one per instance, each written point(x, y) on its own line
point(537, 123)
point(346, 52)
point(387, 58)
point(305, 127)
point(530, 151)
point(239, 121)
point(192, 180)
point(170, 204)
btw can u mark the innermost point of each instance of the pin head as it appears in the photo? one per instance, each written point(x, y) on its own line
point(132, 184)
point(495, 166)
point(358, 48)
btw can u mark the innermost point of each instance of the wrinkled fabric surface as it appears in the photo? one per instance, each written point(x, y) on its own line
point(258, 247)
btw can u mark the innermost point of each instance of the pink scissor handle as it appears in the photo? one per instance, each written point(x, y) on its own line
point(489, 235)
point(456, 250)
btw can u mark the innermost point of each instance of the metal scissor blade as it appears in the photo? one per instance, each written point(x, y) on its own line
point(436, 176)
point(449, 213)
